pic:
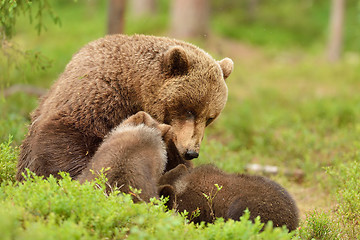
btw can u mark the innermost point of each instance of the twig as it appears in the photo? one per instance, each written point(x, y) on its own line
point(27, 89)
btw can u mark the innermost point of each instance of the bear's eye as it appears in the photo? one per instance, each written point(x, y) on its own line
point(209, 120)
point(190, 115)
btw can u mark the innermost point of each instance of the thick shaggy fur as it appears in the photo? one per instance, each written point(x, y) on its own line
point(115, 77)
point(261, 196)
point(136, 156)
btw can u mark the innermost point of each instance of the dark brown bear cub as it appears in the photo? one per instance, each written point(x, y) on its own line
point(261, 196)
point(135, 154)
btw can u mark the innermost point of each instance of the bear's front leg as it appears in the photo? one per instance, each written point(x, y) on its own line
point(56, 146)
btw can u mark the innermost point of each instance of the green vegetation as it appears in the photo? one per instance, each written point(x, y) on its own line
point(67, 210)
point(8, 156)
point(278, 24)
point(319, 225)
point(10, 10)
point(344, 222)
point(347, 192)
point(287, 107)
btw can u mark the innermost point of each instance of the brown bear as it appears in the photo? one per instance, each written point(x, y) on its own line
point(113, 78)
point(263, 197)
point(133, 154)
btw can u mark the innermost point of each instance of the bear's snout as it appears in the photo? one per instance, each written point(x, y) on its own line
point(191, 154)
point(188, 134)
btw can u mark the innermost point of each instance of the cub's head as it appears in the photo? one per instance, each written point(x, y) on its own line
point(191, 96)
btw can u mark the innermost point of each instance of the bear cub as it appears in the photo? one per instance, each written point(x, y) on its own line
point(133, 154)
point(263, 197)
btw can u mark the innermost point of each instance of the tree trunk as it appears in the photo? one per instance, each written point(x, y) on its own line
point(142, 8)
point(252, 6)
point(116, 17)
point(336, 30)
point(190, 18)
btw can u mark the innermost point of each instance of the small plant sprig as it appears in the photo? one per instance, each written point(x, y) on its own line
point(8, 159)
point(135, 193)
point(101, 180)
point(194, 214)
point(210, 200)
point(161, 201)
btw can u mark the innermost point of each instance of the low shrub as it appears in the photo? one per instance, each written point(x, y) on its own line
point(64, 209)
point(8, 160)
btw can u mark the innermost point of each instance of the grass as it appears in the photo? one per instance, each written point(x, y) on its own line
point(287, 107)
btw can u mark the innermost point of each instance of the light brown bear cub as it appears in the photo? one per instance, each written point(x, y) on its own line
point(113, 78)
point(261, 196)
point(135, 154)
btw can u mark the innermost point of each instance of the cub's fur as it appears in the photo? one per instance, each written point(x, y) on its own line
point(261, 196)
point(134, 154)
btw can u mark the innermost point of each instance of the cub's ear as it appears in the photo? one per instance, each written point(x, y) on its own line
point(168, 191)
point(176, 61)
point(227, 66)
point(174, 174)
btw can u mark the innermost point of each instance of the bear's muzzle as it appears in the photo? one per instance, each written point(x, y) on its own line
point(191, 154)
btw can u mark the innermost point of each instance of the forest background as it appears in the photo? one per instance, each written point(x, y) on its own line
point(293, 108)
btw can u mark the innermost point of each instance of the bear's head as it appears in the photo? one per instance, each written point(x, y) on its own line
point(192, 94)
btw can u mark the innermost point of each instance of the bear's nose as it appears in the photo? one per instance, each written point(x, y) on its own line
point(190, 154)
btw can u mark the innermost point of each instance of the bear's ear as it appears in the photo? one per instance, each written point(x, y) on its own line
point(174, 174)
point(176, 61)
point(168, 191)
point(227, 66)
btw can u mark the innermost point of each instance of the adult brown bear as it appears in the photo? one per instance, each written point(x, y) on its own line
point(113, 78)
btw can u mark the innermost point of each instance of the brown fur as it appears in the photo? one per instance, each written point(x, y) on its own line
point(113, 78)
point(136, 157)
point(260, 195)
point(135, 153)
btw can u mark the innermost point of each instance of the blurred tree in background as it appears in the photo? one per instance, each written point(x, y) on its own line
point(38, 13)
point(190, 18)
point(272, 22)
point(336, 29)
point(11, 9)
point(289, 23)
point(141, 8)
point(116, 16)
